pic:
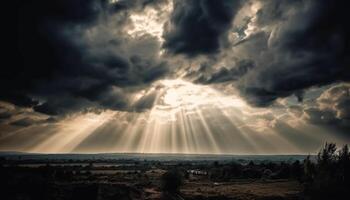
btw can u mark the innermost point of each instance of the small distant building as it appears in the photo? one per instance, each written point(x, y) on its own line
point(197, 172)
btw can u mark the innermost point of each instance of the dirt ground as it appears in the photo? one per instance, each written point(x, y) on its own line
point(132, 184)
point(242, 190)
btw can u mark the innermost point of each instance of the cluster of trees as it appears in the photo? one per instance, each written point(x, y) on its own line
point(269, 170)
point(326, 176)
point(171, 181)
point(329, 176)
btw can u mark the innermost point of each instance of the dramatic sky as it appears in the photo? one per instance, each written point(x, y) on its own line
point(176, 76)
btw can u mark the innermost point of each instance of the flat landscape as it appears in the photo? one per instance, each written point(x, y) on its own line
point(136, 177)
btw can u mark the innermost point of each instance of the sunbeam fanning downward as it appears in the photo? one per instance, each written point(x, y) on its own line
point(176, 116)
point(190, 118)
point(72, 132)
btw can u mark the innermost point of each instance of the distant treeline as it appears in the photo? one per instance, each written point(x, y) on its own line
point(326, 176)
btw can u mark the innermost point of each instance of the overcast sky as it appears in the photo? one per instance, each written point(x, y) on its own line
point(176, 76)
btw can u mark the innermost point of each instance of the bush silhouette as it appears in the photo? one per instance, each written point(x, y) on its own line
point(328, 177)
point(171, 181)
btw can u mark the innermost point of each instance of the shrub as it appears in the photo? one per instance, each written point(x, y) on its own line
point(171, 181)
point(328, 177)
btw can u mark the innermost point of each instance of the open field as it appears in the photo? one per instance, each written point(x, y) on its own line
point(243, 189)
point(61, 179)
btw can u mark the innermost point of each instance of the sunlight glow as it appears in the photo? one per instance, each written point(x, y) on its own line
point(182, 95)
point(184, 118)
point(150, 21)
point(113, 1)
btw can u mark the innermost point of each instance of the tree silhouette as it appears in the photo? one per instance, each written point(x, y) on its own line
point(328, 177)
point(171, 181)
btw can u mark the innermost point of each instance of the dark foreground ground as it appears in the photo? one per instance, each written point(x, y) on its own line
point(129, 179)
point(324, 176)
point(122, 186)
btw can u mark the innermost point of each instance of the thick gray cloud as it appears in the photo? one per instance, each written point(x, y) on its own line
point(307, 44)
point(23, 122)
point(73, 54)
point(226, 74)
point(199, 27)
point(332, 107)
point(289, 46)
point(76, 55)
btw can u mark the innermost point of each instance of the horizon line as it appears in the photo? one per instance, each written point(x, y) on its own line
point(153, 153)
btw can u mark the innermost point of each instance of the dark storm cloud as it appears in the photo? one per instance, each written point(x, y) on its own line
point(333, 107)
point(147, 101)
point(29, 121)
point(199, 27)
point(73, 54)
point(227, 74)
point(20, 116)
point(64, 104)
point(16, 97)
point(134, 4)
point(318, 116)
point(5, 115)
point(24, 122)
point(307, 45)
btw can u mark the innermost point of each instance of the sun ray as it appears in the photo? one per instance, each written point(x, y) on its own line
point(73, 132)
point(207, 131)
point(184, 118)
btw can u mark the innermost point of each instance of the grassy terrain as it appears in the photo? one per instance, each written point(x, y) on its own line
point(61, 182)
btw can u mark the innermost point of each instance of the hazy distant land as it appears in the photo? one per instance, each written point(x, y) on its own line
point(149, 157)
